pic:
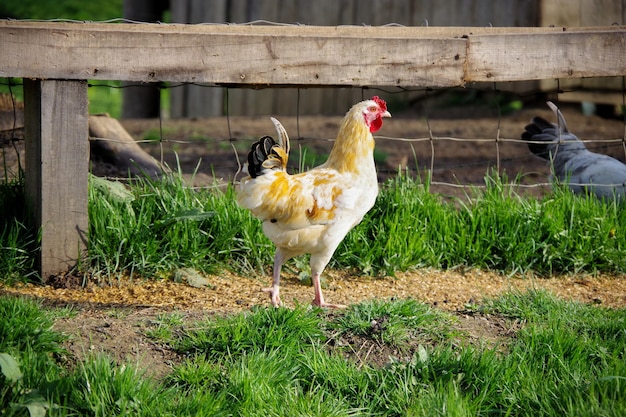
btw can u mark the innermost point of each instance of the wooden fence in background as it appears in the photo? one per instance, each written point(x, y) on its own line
point(56, 59)
point(199, 101)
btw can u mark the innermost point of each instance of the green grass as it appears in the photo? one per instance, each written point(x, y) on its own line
point(63, 9)
point(164, 225)
point(393, 323)
point(25, 337)
point(492, 229)
point(566, 359)
point(18, 239)
point(265, 330)
point(154, 227)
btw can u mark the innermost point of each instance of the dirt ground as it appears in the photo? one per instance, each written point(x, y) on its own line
point(115, 319)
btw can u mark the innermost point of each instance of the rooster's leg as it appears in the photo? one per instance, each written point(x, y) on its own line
point(319, 297)
point(274, 290)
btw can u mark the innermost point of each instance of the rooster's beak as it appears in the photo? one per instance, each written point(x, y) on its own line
point(385, 114)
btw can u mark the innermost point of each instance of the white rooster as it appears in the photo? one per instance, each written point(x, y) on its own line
point(312, 212)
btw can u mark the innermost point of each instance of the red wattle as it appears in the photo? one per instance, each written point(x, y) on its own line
point(376, 124)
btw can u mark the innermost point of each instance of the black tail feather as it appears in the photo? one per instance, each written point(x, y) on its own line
point(258, 154)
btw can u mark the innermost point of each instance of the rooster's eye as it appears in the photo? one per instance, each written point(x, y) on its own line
point(373, 109)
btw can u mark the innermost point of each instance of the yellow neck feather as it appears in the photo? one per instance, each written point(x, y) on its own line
point(354, 143)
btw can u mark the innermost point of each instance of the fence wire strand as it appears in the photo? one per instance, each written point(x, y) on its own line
point(433, 139)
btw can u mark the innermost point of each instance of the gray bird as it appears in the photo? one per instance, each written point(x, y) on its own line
point(571, 162)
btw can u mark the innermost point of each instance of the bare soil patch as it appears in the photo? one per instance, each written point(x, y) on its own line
point(115, 319)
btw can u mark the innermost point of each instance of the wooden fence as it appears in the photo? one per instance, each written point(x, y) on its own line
point(199, 101)
point(56, 59)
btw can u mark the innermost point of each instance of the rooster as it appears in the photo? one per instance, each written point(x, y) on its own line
point(572, 162)
point(312, 212)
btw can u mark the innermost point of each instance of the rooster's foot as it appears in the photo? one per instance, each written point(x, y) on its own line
point(274, 296)
point(328, 305)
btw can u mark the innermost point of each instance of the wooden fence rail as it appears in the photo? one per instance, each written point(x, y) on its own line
point(57, 58)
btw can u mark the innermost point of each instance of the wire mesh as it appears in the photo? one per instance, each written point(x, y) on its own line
point(430, 151)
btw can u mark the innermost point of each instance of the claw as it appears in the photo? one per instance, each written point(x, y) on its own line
point(274, 295)
point(329, 305)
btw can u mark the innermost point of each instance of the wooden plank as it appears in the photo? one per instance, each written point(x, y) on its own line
point(305, 55)
point(98, 30)
point(535, 56)
point(231, 54)
point(57, 164)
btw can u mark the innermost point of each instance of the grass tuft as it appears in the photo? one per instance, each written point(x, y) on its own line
point(165, 225)
point(18, 239)
point(263, 329)
point(492, 229)
point(394, 322)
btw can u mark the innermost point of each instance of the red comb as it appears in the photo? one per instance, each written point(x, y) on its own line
point(381, 103)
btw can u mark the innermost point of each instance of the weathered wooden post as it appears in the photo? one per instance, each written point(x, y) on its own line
point(57, 165)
